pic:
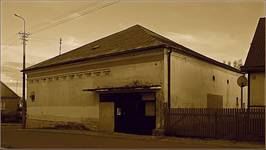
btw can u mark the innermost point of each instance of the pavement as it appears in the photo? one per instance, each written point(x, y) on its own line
point(13, 136)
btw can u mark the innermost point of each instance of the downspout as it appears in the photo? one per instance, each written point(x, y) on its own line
point(169, 77)
point(248, 90)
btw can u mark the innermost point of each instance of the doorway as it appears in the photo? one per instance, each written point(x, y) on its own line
point(133, 113)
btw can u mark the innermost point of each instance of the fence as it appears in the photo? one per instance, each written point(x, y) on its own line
point(238, 124)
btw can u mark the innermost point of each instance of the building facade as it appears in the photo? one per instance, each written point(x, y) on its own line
point(255, 67)
point(124, 82)
point(9, 103)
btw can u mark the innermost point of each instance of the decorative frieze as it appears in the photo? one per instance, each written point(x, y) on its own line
point(50, 79)
point(98, 73)
point(30, 81)
point(64, 77)
point(71, 76)
point(106, 72)
point(56, 78)
point(80, 76)
point(43, 79)
point(88, 74)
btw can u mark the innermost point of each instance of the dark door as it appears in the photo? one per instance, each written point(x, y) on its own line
point(130, 115)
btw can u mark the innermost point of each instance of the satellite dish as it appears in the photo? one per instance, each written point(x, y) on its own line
point(242, 81)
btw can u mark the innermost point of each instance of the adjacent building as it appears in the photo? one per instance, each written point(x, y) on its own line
point(9, 103)
point(255, 67)
point(124, 82)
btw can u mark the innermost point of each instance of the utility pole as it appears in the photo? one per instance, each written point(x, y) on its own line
point(60, 42)
point(24, 37)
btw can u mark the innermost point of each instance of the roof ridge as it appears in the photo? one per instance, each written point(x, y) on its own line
point(149, 32)
point(159, 37)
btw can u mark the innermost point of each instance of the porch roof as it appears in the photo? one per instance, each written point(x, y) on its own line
point(125, 89)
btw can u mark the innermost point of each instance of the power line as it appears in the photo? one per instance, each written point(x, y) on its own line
point(36, 26)
point(70, 17)
point(73, 16)
point(41, 38)
point(40, 25)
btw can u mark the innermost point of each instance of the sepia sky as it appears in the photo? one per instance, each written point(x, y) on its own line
point(221, 30)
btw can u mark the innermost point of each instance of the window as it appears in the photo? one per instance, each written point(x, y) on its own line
point(32, 96)
point(118, 111)
point(3, 105)
point(150, 108)
point(213, 78)
point(148, 97)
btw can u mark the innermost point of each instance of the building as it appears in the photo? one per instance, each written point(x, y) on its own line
point(9, 103)
point(255, 67)
point(124, 82)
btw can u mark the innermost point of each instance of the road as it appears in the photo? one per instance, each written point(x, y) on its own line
point(15, 137)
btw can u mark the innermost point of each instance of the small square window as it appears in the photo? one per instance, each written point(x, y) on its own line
point(32, 96)
point(213, 78)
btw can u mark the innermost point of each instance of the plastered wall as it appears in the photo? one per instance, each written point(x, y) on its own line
point(192, 81)
point(59, 94)
point(257, 89)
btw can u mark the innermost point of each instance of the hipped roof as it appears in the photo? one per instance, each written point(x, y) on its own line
point(131, 39)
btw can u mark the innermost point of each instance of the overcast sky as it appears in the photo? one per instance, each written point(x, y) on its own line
point(221, 30)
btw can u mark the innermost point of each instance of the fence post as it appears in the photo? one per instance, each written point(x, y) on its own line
point(215, 123)
point(237, 123)
point(166, 118)
point(246, 123)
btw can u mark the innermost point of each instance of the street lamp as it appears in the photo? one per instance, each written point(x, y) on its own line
point(24, 36)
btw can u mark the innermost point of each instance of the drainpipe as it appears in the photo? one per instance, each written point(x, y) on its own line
point(248, 90)
point(169, 76)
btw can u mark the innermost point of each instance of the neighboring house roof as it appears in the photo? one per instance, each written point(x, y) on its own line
point(6, 92)
point(255, 61)
point(132, 39)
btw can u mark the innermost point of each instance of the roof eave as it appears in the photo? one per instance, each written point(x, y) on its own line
point(194, 54)
point(185, 51)
point(249, 69)
point(96, 57)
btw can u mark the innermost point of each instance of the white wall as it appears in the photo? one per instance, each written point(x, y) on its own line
point(257, 90)
point(60, 97)
point(192, 80)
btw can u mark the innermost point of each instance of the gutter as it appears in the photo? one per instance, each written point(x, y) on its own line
point(169, 77)
point(189, 52)
point(248, 91)
point(247, 69)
